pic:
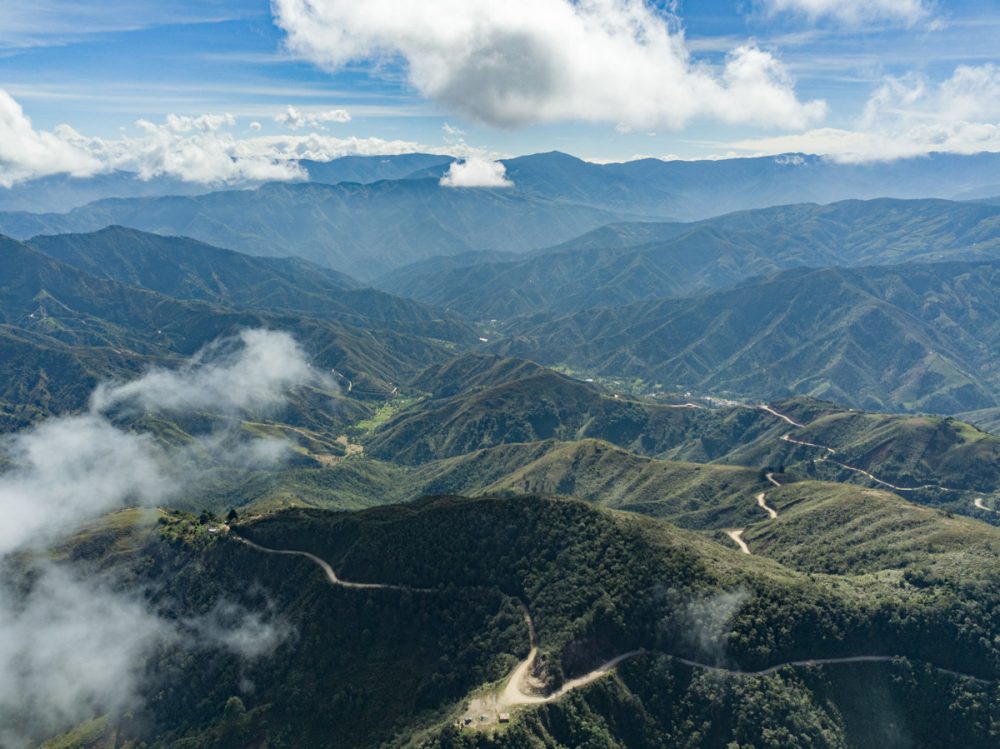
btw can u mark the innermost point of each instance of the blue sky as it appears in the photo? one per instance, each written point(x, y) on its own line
point(101, 66)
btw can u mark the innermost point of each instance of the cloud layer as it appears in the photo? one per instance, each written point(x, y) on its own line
point(206, 149)
point(73, 647)
point(909, 116)
point(527, 61)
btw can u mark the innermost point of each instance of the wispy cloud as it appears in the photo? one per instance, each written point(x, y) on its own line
point(73, 646)
point(295, 119)
point(854, 12)
point(906, 116)
point(57, 22)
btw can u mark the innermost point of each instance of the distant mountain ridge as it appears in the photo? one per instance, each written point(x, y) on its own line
point(623, 263)
point(370, 215)
point(362, 230)
point(917, 336)
point(187, 269)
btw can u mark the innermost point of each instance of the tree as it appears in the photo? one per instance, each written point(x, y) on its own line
point(235, 709)
point(232, 516)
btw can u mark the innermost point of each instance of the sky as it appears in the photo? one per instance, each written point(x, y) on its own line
point(219, 90)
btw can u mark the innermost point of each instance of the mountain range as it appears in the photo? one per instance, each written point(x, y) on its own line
point(624, 263)
point(369, 215)
point(575, 472)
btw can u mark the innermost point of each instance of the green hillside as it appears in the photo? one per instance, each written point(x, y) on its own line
point(626, 263)
point(596, 583)
point(908, 337)
point(363, 230)
point(186, 269)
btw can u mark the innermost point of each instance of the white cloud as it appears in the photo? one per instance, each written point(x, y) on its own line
point(295, 119)
point(526, 61)
point(200, 149)
point(854, 12)
point(75, 467)
point(254, 370)
point(72, 647)
point(70, 650)
point(476, 172)
point(26, 152)
point(908, 116)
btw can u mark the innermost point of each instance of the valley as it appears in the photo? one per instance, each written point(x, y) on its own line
point(659, 485)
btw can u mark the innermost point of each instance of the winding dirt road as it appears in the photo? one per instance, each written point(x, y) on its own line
point(787, 419)
point(521, 690)
point(762, 504)
point(820, 662)
point(830, 451)
point(331, 576)
point(737, 536)
point(978, 502)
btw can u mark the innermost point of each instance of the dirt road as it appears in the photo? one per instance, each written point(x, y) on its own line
point(331, 576)
point(737, 536)
point(787, 419)
point(830, 451)
point(819, 662)
point(771, 512)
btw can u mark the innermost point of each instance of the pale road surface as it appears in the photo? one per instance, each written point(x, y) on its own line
point(978, 502)
point(765, 407)
point(772, 513)
point(331, 576)
point(863, 472)
point(770, 477)
point(737, 536)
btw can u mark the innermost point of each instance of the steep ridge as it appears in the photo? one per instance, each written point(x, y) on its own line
point(623, 264)
point(363, 230)
point(190, 270)
point(906, 337)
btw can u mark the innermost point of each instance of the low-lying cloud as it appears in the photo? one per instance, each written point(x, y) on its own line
point(73, 647)
point(528, 61)
point(253, 371)
point(71, 650)
point(474, 172)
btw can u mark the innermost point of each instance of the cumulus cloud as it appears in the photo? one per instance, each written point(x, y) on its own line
point(195, 149)
point(908, 116)
point(853, 12)
point(527, 61)
point(476, 172)
point(295, 119)
point(26, 152)
point(201, 149)
point(72, 647)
